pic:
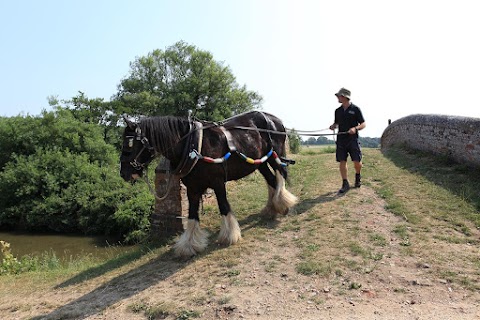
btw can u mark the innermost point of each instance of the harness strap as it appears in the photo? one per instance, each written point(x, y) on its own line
point(194, 142)
point(199, 128)
point(270, 125)
point(229, 137)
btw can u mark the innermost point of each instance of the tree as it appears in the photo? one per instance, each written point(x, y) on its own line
point(369, 142)
point(311, 141)
point(96, 111)
point(179, 79)
point(324, 140)
point(294, 141)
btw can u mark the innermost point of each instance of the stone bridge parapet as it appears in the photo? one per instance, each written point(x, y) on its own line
point(457, 138)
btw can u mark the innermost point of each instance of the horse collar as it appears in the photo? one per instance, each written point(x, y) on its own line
point(194, 142)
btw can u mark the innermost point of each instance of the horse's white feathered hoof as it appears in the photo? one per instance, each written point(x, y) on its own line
point(192, 241)
point(230, 232)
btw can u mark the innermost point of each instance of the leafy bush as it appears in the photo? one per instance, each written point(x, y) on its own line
point(63, 177)
point(133, 216)
point(294, 141)
point(9, 264)
point(52, 130)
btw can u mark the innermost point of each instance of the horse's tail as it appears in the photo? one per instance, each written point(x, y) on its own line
point(278, 139)
point(283, 199)
point(280, 199)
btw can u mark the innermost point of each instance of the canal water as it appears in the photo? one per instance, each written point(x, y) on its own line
point(64, 246)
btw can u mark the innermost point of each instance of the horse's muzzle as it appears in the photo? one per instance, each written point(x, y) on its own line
point(129, 177)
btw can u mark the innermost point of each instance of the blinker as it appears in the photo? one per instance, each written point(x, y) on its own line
point(138, 131)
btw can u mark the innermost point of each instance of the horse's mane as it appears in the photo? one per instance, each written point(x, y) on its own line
point(164, 132)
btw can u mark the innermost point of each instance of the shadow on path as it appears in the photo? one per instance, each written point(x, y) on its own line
point(306, 204)
point(119, 288)
point(259, 220)
point(102, 269)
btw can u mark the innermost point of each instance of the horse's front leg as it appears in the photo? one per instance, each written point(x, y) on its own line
point(229, 230)
point(194, 239)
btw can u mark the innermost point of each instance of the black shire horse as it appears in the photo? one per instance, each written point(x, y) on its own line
point(207, 155)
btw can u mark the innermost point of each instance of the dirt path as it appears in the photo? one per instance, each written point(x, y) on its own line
point(258, 278)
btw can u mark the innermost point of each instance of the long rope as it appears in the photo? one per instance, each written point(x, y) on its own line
point(322, 134)
point(286, 133)
point(308, 131)
point(299, 132)
point(169, 185)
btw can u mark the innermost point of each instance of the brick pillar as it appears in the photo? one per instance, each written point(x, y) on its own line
point(166, 220)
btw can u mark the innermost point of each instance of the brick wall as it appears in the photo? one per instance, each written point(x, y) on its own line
point(455, 137)
point(167, 219)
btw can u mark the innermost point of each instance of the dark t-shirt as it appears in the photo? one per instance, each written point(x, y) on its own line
point(346, 119)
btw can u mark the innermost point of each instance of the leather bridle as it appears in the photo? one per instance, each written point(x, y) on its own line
point(145, 146)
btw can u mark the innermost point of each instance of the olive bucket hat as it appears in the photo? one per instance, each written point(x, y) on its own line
point(344, 93)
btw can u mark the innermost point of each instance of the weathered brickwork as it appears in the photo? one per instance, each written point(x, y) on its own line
point(455, 137)
point(167, 219)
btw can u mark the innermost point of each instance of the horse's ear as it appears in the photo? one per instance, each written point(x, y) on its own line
point(132, 125)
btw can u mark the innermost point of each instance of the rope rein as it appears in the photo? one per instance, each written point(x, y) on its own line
point(306, 133)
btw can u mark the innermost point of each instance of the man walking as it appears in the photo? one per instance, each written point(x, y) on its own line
point(349, 120)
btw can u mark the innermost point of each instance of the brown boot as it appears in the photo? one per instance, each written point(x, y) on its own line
point(345, 186)
point(358, 180)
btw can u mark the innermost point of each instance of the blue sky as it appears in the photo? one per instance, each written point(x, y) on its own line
point(397, 57)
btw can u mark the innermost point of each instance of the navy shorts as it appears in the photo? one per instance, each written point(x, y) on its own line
point(352, 147)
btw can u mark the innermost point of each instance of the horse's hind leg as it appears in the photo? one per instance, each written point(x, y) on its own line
point(229, 230)
point(193, 240)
